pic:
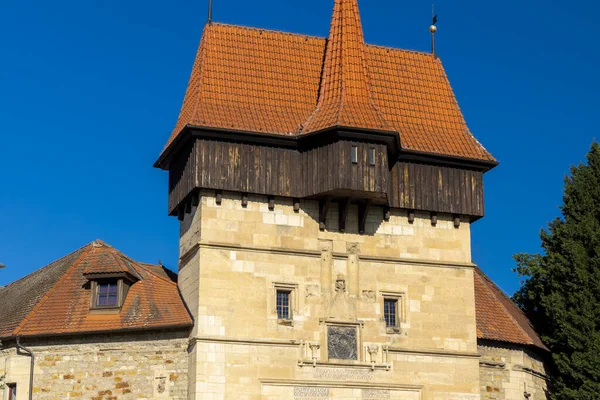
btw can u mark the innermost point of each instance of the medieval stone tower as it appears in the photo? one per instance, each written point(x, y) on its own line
point(325, 189)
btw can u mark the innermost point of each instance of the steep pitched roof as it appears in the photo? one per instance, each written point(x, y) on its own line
point(19, 298)
point(263, 81)
point(499, 318)
point(56, 299)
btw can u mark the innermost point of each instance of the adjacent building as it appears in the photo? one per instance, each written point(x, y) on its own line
point(325, 190)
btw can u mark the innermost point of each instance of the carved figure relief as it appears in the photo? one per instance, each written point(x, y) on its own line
point(369, 296)
point(342, 343)
point(342, 308)
point(161, 386)
point(340, 284)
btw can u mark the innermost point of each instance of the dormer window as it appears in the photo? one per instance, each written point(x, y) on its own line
point(108, 293)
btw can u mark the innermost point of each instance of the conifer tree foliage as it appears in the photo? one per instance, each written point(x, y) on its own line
point(562, 295)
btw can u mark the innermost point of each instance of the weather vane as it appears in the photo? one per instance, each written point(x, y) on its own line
point(433, 30)
point(210, 12)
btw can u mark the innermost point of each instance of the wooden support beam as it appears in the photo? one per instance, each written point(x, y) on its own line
point(181, 212)
point(387, 214)
point(219, 197)
point(296, 205)
point(434, 219)
point(244, 200)
point(323, 209)
point(271, 203)
point(457, 221)
point(188, 205)
point(195, 198)
point(363, 212)
point(411, 217)
point(344, 206)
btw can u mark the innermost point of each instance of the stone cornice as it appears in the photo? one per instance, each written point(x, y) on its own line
point(317, 254)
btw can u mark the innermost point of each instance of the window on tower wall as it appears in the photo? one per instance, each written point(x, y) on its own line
point(390, 313)
point(284, 302)
point(393, 311)
point(284, 310)
point(354, 155)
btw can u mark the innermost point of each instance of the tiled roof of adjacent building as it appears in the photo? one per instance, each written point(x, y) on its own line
point(270, 82)
point(56, 299)
point(499, 318)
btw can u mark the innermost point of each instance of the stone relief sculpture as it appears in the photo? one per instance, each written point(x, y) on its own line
point(340, 284)
point(342, 343)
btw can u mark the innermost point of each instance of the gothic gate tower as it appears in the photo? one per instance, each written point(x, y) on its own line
point(325, 190)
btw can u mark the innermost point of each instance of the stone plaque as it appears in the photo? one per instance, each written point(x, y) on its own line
point(376, 394)
point(341, 342)
point(344, 374)
point(311, 393)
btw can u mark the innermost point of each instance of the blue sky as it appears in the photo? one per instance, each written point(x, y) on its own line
point(90, 90)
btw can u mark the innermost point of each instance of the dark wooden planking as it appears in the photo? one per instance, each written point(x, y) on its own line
point(285, 172)
point(436, 189)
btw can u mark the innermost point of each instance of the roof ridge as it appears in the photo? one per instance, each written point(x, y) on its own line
point(253, 28)
point(43, 300)
point(482, 275)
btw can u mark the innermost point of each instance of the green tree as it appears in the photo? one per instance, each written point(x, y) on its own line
point(562, 293)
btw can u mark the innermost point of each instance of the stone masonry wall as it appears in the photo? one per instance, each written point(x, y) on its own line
point(233, 259)
point(508, 372)
point(108, 367)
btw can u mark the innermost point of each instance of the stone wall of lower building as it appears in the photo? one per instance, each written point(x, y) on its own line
point(508, 372)
point(147, 365)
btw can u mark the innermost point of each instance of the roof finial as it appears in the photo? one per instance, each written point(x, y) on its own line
point(433, 30)
point(210, 12)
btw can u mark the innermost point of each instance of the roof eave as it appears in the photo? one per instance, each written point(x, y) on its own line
point(103, 331)
point(391, 137)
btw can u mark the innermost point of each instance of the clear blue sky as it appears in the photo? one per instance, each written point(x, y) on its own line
point(90, 90)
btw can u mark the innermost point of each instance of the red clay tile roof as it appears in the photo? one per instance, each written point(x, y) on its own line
point(499, 318)
point(106, 260)
point(279, 83)
point(56, 299)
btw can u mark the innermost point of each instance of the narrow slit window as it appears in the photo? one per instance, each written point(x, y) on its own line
point(284, 305)
point(12, 391)
point(390, 313)
point(354, 155)
point(108, 294)
point(372, 156)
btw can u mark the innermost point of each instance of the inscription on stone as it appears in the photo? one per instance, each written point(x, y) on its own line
point(341, 342)
point(311, 393)
point(376, 394)
point(344, 374)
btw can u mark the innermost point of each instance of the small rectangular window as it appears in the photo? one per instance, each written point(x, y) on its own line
point(390, 312)
point(283, 305)
point(354, 155)
point(372, 156)
point(108, 294)
point(12, 391)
